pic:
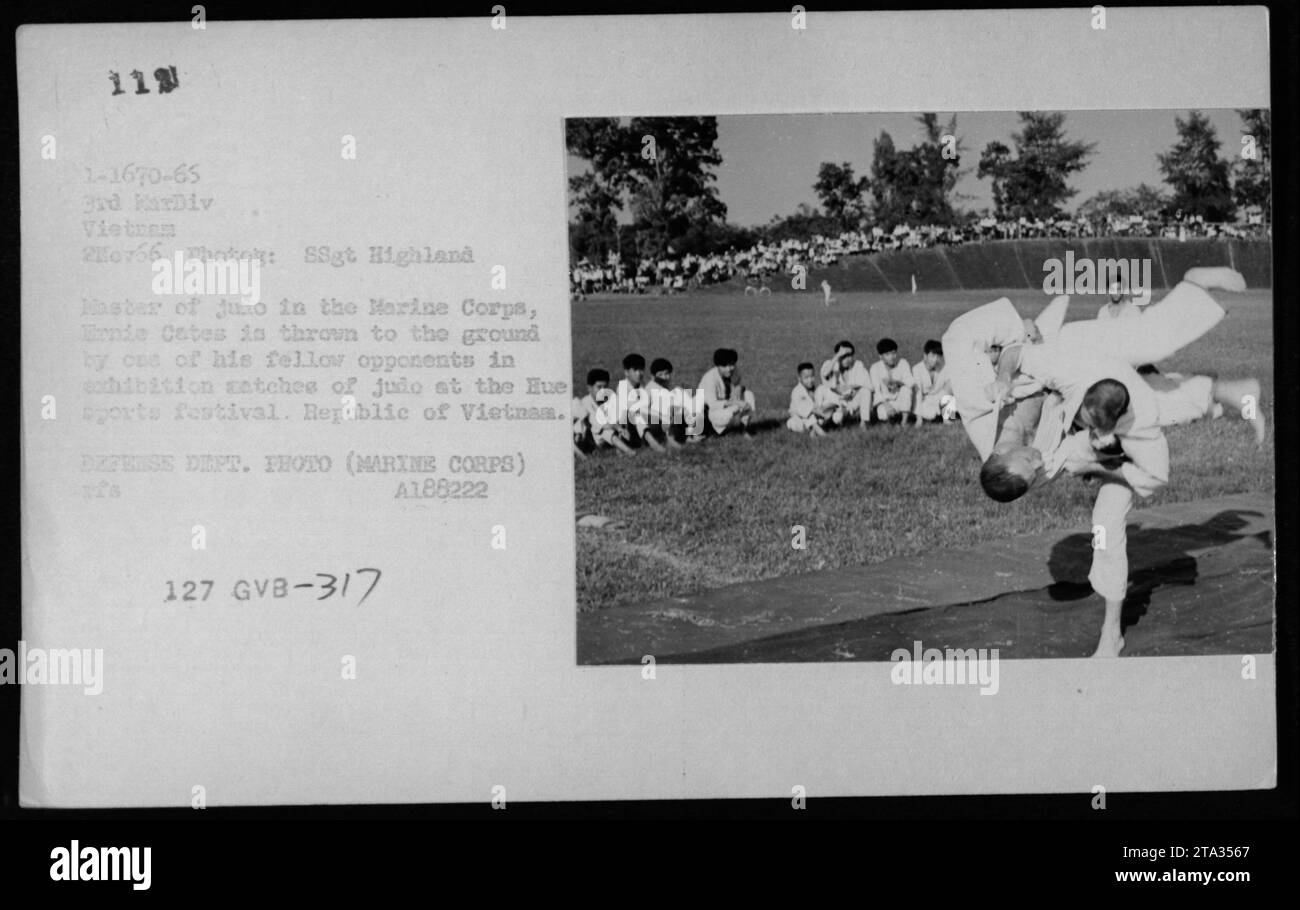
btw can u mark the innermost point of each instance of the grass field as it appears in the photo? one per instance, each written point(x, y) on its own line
point(722, 512)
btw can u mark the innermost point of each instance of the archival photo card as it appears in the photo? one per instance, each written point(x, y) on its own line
point(518, 409)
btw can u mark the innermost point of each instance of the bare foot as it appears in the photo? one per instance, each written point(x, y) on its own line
point(1109, 647)
point(1243, 396)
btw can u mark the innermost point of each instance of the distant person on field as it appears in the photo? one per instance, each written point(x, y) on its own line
point(1121, 305)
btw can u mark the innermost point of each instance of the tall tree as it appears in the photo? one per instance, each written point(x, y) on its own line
point(885, 178)
point(1195, 172)
point(671, 178)
point(841, 192)
point(597, 193)
point(916, 185)
point(1252, 170)
point(1034, 183)
point(661, 167)
point(995, 163)
point(940, 159)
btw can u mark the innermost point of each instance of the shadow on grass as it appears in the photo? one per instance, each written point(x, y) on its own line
point(1170, 549)
point(1225, 612)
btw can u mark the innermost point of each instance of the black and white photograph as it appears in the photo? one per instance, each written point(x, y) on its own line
point(930, 386)
point(783, 413)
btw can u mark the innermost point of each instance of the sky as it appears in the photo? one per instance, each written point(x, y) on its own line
point(770, 161)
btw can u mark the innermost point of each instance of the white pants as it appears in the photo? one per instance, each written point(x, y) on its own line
point(1182, 399)
point(723, 417)
point(933, 406)
point(806, 424)
point(859, 403)
point(1109, 573)
point(929, 407)
point(900, 402)
point(1182, 316)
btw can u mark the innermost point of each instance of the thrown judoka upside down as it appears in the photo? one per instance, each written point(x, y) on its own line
point(1040, 398)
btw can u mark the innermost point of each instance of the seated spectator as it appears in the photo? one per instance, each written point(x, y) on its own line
point(934, 398)
point(813, 407)
point(848, 378)
point(728, 405)
point(669, 411)
point(633, 402)
point(595, 418)
point(892, 384)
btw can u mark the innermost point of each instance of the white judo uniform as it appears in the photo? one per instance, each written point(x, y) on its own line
point(1183, 399)
point(1055, 375)
point(1083, 353)
point(967, 347)
point(933, 391)
point(853, 385)
point(1160, 330)
point(597, 421)
point(903, 397)
point(633, 407)
point(1185, 314)
point(673, 408)
point(804, 406)
point(720, 401)
point(1045, 421)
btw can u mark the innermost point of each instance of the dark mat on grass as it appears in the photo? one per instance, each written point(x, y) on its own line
point(1200, 582)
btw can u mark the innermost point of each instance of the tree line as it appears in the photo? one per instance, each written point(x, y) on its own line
point(663, 171)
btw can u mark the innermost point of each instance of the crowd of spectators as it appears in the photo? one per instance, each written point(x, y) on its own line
point(757, 265)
